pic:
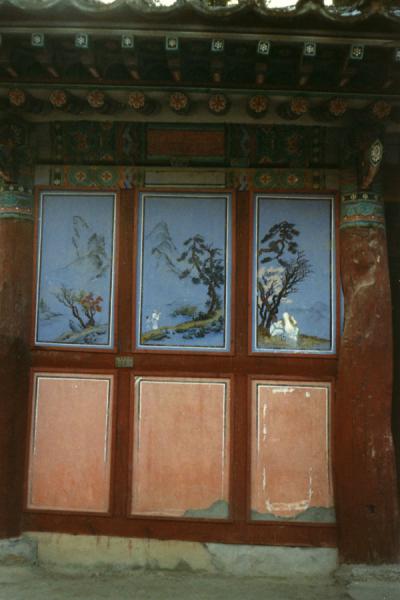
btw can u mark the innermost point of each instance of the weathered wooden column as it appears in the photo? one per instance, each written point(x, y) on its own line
point(16, 237)
point(364, 462)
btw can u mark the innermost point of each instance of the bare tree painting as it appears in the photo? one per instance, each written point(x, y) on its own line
point(293, 280)
point(277, 283)
point(75, 274)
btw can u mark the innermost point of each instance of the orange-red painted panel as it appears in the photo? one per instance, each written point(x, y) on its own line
point(181, 447)
point(291, 451)
point(71, 443)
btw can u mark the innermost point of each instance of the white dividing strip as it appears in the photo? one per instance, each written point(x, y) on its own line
point(37, 386)
point(106, 433)
point(224, 425)
point(328, 436)
point(258, 411)
point(139, 409)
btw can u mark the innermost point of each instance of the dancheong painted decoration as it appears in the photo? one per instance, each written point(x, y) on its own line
point(294, 275)
point(74, 304)
point(184, 271)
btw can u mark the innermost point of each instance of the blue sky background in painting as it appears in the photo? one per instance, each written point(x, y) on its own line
point(162, 290)
point(61, 264)
point(311, 304)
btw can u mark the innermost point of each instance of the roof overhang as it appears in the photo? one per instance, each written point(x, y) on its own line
point(340, 11)
point(343, 51)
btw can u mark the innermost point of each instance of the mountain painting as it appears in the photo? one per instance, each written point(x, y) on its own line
point(74, 304)
point(294, 281)
point(184, 272)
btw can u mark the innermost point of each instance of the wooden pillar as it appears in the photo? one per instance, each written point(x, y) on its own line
point(16, 244)
point(364, 462)
point(392, 212)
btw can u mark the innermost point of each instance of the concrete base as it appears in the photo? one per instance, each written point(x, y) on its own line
point(37, 583)
point(101, 552)
point(364, 582)
point(18, 550)
point(363, 573)
point(19, 582)
point(134, 569)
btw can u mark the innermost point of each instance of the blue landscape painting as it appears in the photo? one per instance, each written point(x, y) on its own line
point(294, 275)
point(74, 304)
point(184, 271)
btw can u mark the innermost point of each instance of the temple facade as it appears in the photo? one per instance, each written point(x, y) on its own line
point(199, 272)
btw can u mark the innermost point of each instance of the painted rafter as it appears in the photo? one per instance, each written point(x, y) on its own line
point(311, 65)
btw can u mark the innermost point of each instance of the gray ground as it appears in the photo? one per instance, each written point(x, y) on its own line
point(27, 582)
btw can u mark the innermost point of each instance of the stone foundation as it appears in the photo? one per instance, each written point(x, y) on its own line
point(102, 552)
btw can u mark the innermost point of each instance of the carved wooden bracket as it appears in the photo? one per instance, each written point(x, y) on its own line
point(370, 163)
point(365, 150)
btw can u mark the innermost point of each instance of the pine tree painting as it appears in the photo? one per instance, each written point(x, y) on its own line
point(183, 272)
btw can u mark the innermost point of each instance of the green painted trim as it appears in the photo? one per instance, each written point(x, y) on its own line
point(315, 514)
point(363, 224)
point(125, 177)
point(202, 127)
point(94, 176)
point(362, 209)
point(15, 216)
point(16, 205)
point(289, 178)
